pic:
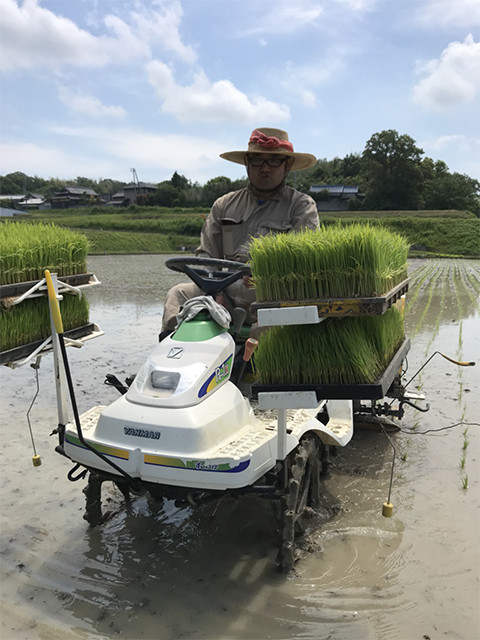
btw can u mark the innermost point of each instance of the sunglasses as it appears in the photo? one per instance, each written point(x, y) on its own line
point(273, 162)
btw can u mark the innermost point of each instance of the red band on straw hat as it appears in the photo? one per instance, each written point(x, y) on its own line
point(269, 142)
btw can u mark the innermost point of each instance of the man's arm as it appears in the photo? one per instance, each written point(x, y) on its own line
point(305, 214)
point(211, 235)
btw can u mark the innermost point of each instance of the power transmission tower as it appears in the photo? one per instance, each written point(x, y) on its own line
point(135, 184)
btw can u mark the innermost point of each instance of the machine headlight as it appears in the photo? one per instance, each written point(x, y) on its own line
point(167, 380)
point(158, 382)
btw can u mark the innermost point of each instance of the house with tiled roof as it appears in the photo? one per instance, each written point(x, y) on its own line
point(74, 197)
point(334, 197)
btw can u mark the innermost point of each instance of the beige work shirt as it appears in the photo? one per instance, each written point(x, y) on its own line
point(238, 216)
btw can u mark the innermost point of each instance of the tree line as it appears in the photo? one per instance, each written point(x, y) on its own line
point(391, 173)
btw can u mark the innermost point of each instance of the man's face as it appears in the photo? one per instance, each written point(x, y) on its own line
point(267, 178)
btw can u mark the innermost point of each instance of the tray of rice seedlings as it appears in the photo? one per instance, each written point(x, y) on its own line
point(26, 251)
point(25, 326)
point(354, 270)
point(340, 358)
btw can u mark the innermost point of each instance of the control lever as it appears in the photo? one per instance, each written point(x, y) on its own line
point(250, 346)
point(238, 318)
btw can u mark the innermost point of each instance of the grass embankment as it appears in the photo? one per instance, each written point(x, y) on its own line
point(162, 230)
point(437, 236)
point(133, 229)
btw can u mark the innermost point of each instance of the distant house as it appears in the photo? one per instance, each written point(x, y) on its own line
point(117, 200)
point(73, 197)
point(32, 201)
point(334, 197)
point(135, 189)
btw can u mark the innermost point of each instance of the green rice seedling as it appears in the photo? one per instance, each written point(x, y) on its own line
point(336, 351)
point(26, 250)
point(386, 332)
point(465, 482)
point(358, 260)
point(30, 321)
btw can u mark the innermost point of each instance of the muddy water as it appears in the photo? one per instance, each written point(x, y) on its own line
point(162, 572)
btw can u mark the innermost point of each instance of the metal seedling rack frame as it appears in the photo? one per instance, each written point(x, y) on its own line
point(15, 294)
point(284, 397)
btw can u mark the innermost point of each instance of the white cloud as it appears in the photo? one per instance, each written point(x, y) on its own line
point(450, 13)
point(451, 80)
point(285, 17)
point(360, 6)
point(144, 148)
point(162, 28)
point(89, 105)
point(112, 151)
point(207, 101)
point(51, 162)
point(459, 142)
point(459, 151)
point(33, 36)
point(301, 80)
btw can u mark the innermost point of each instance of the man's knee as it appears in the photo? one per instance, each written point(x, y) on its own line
point(176, 298)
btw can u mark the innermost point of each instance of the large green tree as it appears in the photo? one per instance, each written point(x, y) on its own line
point(445, 190)
point(215, 188)
point(392, 171)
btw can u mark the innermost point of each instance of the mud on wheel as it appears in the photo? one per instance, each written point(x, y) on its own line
point(301, 498)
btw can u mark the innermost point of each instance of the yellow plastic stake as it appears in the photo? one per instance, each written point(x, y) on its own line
point(54, 306)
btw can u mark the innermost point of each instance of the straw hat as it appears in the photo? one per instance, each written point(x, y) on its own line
point(274, 141)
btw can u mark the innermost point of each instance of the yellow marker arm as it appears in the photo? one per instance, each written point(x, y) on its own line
point(461, 364)
point(54, 306)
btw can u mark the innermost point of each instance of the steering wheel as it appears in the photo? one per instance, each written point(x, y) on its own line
point(221, 274)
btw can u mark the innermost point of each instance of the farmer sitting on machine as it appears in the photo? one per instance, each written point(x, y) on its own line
point(266, 205)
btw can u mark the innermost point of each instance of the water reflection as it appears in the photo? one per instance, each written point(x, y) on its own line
point(132, 280)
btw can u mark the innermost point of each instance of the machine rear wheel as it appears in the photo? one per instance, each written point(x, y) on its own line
point(301, 498)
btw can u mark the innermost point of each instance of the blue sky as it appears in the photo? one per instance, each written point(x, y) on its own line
point(97, 87)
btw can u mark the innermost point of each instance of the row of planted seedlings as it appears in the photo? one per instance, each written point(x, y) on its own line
point(26, 251)
point(333, 262)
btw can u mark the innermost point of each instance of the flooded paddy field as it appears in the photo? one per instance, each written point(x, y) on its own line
point(162, 572)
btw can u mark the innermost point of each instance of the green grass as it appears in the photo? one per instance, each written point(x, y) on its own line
point(111, 242)
point(439, 233)
point(421, 213)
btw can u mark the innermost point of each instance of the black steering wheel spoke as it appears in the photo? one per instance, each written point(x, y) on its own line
point(222, 273)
